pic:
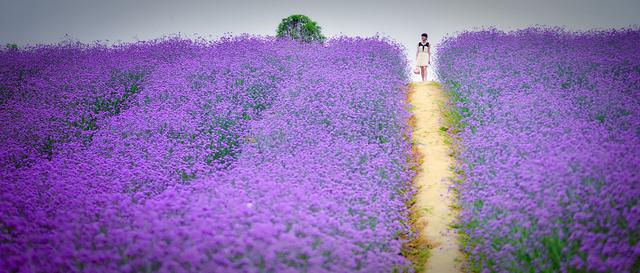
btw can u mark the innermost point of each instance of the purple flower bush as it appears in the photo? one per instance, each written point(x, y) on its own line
point(245, 154)
point(550, 148)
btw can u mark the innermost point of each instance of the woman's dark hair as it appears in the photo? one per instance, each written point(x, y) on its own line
point(425, 35)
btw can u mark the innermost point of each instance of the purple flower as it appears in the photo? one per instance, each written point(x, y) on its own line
point(245, 154)
point(550, 148)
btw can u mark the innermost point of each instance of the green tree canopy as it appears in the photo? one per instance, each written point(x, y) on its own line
point(300, 27)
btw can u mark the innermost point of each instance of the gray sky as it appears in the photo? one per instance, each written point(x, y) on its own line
point(39, 21)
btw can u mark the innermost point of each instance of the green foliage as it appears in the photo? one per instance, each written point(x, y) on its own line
point(12, 46)
point(129, 82)
point(226, 138)
point(300, 27)
point(47, 147)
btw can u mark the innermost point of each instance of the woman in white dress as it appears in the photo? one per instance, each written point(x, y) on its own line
point(423, 56)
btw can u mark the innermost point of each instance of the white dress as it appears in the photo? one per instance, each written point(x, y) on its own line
point(423, 51)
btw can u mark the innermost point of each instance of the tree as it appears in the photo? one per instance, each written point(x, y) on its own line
point(300, 27)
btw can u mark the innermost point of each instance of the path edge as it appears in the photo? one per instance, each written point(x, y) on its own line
point(452, 121)
point(416, 248)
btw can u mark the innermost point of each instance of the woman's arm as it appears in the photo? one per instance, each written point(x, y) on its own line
point(417, 50)
point(429, 52)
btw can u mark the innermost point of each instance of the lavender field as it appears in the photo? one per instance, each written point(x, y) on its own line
point(245, 154)
point(260, 154)
point(548, 128)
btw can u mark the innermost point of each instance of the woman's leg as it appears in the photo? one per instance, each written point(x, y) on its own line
point(426, 71)
point(423, 72)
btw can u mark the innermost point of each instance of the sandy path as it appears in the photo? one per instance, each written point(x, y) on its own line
point(433, 209)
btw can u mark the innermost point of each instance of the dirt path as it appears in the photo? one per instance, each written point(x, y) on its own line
point(433, 211)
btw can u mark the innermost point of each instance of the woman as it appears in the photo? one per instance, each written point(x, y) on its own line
point(423, 56)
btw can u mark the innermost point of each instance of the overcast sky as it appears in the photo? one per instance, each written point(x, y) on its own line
point(33, 21)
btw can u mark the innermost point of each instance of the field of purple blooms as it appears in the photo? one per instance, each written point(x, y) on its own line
point(248, 154)
point(549, 148)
